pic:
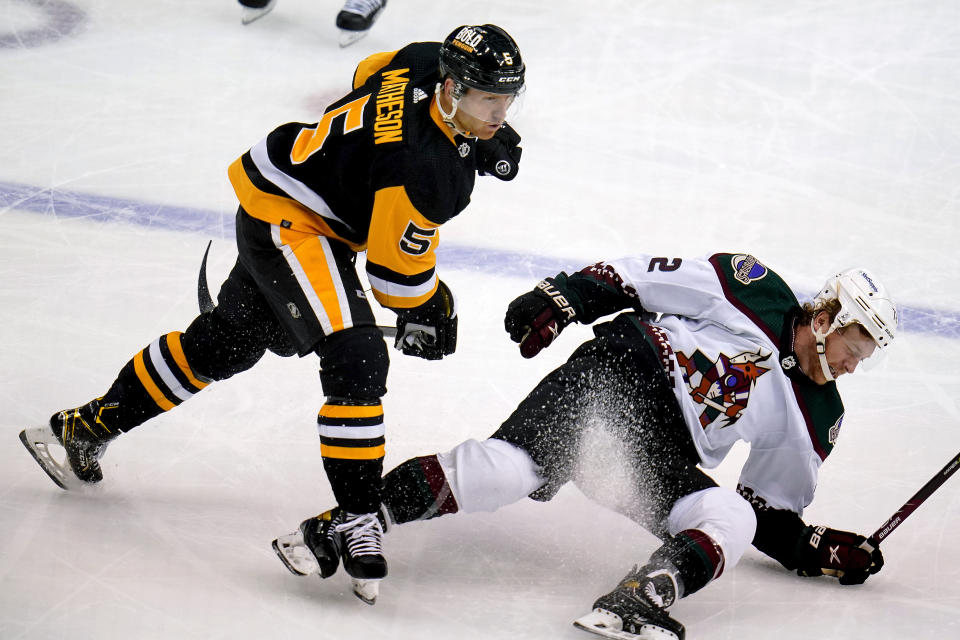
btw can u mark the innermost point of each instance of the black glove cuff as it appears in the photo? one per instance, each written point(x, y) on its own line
point(500, 156)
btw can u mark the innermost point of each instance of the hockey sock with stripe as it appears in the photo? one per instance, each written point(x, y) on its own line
point(697, 557)
point(418, 490)
point(352, 443)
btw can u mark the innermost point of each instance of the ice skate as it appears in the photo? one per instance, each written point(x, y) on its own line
point(255, 9)
point(636, 609)
point(356, 18)
point(314, 547)
point(82, 435)
point(317, 546)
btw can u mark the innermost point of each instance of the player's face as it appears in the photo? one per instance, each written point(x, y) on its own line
point(482, 113)
point(846, 348)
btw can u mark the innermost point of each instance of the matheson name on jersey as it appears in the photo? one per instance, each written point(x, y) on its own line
point(388, 126)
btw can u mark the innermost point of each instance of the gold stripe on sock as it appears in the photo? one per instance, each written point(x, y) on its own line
point(149, 384)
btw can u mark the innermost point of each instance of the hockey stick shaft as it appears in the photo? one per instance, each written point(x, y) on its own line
point(912, 504)
point(387, 330)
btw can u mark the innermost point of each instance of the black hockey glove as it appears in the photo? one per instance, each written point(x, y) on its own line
point(830, 552)
point(430, 330)
point(500, 156)
point(537, 317)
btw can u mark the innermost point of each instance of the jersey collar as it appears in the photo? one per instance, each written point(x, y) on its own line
point(788, 355)
point(438, 120)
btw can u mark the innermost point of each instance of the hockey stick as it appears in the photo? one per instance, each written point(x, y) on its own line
point(205, 302)
point(911, 505)
point(387, 330)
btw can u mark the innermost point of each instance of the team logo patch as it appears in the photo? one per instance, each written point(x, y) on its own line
point(723, 385)
point(834, 432)
point(418, 95)
point(464, 149)
point(747, 269)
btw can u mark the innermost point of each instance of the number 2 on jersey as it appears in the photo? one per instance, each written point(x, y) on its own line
point(664, 264)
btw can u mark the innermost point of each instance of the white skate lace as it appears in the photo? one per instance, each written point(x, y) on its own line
point(362, 7)
point(363, 534)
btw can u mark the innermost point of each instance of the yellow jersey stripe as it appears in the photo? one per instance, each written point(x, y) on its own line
point(277, 209)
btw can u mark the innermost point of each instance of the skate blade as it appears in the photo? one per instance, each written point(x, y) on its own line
point(252, 15)
point(347, 38)
point(609, 625)
point(295, 555)
point(366, 590)
point(37, 440)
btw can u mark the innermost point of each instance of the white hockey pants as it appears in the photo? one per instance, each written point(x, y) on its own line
point(485, 476)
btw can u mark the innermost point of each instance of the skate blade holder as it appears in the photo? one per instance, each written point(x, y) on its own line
point(366, 590)
point(347, 37)
point(37, 440)
point(300, 561)
point(609, 625)
point(295, 555)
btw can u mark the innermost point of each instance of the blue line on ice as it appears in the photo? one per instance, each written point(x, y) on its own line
point(495, 261)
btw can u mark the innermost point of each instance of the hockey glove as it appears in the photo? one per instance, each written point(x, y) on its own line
point(500, 156)
point(430, 330)
point(836, 553)
point(537, 317)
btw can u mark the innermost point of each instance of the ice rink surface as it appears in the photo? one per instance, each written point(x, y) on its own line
point(815, 135)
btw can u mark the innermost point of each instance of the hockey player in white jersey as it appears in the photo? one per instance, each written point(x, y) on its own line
point(714, 351)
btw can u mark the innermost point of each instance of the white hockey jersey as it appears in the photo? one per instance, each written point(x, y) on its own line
point(719, 324)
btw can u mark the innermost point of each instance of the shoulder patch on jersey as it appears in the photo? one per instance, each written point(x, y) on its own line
point(721, 386)
point(757, 291)
point(747, 268)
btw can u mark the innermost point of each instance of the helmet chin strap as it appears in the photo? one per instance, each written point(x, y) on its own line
point(448, 117)
point(821, 339)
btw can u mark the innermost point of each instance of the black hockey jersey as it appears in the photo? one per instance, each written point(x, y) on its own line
point(380, 172)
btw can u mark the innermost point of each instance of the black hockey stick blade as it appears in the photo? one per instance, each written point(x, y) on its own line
point(912, 504)
point(203, 291)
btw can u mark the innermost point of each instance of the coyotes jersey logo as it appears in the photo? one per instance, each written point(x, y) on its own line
point(723, 385)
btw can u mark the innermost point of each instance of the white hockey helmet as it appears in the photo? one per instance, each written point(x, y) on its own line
point(864, 301)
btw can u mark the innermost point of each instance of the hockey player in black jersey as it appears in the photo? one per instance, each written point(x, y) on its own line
point(381, 171)
point(714, 351)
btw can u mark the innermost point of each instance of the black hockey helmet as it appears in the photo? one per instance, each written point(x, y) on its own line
point(483, 57)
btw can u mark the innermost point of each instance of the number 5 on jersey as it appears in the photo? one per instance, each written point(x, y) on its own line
point(309, 141)
point(416, 241)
